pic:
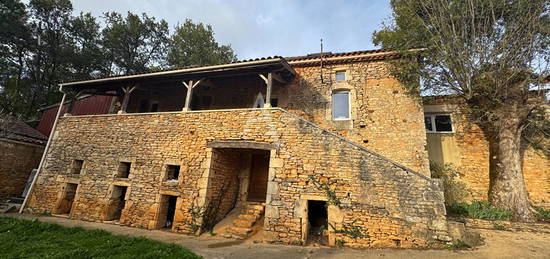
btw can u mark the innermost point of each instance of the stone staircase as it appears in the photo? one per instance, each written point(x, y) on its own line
point(243, 226)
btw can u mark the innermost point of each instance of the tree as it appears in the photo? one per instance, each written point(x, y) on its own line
point(88, 60)
point(492, 54)
point(134, 44)
point(194, 44)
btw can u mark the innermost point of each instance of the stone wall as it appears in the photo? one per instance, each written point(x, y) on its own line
point(223, 188)
point(384, 117)
point(470, 155)
point(17, 159)
point(389, 204)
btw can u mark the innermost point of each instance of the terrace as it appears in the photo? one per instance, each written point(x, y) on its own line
point(248, 84)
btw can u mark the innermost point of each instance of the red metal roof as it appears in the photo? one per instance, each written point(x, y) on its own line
point(97, 104)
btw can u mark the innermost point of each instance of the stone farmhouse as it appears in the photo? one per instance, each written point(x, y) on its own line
point(326, 147)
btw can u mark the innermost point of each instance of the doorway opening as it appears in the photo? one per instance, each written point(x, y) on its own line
point(259, 172)
point(167, 211)
point(117, 202)
point(317, 222)
point(66, 203)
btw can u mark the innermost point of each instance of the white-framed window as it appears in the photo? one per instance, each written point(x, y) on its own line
point(340, 75)
point(341, 105)
point(438, 123)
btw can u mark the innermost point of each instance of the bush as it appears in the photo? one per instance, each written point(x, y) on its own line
point(454, 190)
point(478, 210)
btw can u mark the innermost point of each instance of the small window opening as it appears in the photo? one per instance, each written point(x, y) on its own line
point(274, 102)
point(340, 105)
point(117, 202)
point(154, 107)
point(341, 76)
point(172, 172)
point(318, 222)
point(438, 123)
point(77, 166)
point(124, 169)
point(167, 211)
point(66, 204)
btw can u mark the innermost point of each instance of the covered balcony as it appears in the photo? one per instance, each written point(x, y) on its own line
point(248, 84)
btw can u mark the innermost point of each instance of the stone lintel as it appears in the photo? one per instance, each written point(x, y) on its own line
point(240, 144)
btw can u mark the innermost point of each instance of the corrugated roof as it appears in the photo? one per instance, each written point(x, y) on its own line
point(17, 130)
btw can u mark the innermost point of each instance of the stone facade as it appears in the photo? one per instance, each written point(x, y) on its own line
point(384, 117)
point(17, 159)
point(386, 203)
point(467, 149)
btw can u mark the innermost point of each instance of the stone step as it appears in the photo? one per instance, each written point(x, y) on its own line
point(257, 207)
point(251, 212)
point(239, 232)
point(248, 217)
point(243, 223)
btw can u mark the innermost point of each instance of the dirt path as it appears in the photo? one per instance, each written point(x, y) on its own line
point(499, 244)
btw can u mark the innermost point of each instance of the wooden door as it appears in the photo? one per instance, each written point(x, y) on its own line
point(259, 169)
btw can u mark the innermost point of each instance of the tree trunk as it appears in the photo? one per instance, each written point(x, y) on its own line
point(506, 184)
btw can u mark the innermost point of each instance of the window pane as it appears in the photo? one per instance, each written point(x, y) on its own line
point(340, 105)
point(443, 123)
point(341, 76)
point(428, 123)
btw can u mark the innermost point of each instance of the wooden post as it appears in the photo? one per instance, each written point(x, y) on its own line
point(268, 91)
point(189, 95)
point(127, 91)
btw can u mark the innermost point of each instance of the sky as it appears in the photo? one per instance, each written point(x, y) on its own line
point(261, 28)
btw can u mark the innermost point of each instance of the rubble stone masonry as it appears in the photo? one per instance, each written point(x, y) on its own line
point(373, 201)
point(384, 116)
point(17, 159)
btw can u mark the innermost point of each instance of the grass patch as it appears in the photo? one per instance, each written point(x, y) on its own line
point(478, 210)
point(34, 239)
point(545, 214)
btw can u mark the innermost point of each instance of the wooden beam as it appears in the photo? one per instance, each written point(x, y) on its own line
point(127, 91)
point(268, 90)
point(263, 77)
point(188, 95)
point(278, 78)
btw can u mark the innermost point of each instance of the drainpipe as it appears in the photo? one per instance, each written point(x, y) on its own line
point(46, 149)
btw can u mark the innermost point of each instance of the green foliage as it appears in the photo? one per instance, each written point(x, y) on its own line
point(43, 44)
point(545, 214)
point(33, 239)
point(351, 230)
point(454, 190)
point(459, 244)
point(498, 226)
point(194, 44)
point(478, 210)
point(340, 243)
point(325, 187)
point(134, 43)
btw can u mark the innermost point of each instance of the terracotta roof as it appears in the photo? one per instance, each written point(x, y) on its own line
point(340, 54)
point(20, 131)
point(310, 59)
